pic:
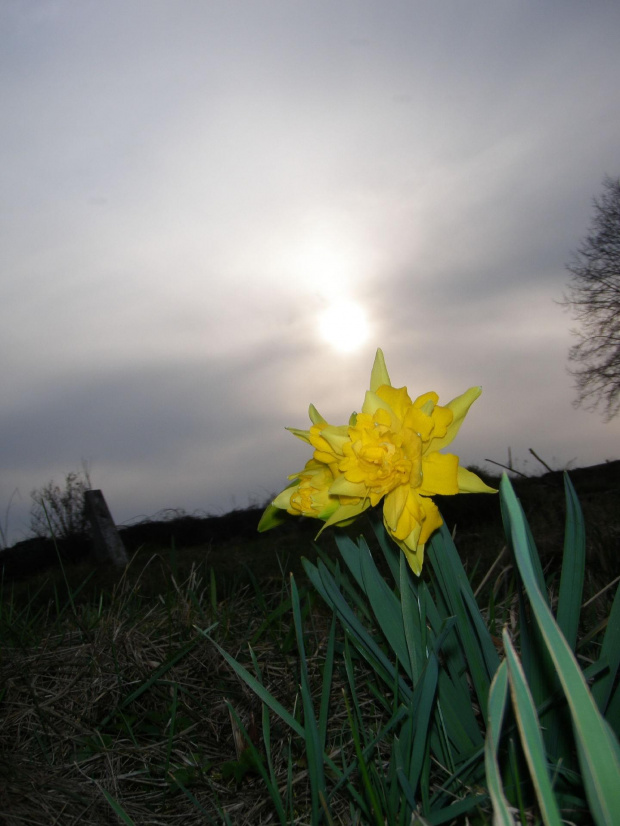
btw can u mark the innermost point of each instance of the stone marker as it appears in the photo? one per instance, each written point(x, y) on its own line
point(107, 544)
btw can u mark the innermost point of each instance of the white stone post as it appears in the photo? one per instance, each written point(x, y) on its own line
point(107, 544)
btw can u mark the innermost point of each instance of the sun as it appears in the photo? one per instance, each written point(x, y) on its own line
point(344, 325)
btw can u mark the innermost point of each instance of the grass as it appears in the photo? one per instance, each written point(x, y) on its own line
point(117, 705)
point(117, 691)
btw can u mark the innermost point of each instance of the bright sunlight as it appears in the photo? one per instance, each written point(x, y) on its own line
point(344, 326)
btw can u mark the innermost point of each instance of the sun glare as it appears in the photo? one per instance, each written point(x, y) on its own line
point(344, 326)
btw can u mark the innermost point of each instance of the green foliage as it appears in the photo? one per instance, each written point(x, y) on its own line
point(140, 696)
point(391, 704)
point(458, 730)
point(594, 742)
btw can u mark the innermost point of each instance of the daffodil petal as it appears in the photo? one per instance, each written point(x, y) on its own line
point(394, 505)
point(304, 435)
point(335, 437)
point(425, 398)
point(375, 406)
point(342, 487)
point(315, 416)
point(439, 474)
point(271, 518)
point(379, 374)
point(327, 441)
point(373, 402)
point(397, 398)
point(410, 517)
point(414, 558)
point(420, 422)
point(459, 408)
point(470, 483)
point(283, 499)
point(432, 519)
point(412, 548)
point(345, 513)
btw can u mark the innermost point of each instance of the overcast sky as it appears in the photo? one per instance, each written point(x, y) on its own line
point(188, 187)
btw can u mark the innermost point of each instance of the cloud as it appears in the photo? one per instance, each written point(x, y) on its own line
point(186, 188)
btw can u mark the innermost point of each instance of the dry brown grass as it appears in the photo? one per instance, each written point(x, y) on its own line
point(75, 724)
point(70, 730)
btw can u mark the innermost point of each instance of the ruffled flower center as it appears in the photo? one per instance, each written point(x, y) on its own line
point(379, 457)
point(309, 497)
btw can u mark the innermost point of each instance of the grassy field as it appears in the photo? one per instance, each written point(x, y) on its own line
point(117, 707)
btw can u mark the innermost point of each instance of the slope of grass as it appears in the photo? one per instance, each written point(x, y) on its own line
point(114, 704)
point(124, 695)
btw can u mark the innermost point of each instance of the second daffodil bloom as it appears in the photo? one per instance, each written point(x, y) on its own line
point(389, 451)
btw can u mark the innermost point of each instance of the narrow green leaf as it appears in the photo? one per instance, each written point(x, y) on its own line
point(531, 736)
point(281, 609)
point(527, 540)
point(367, 784)
point(386, 608)
point(201, 809)
point(257, 763)
point(536, 660)
point(391, 552)
point(399, 716)
point(350, 672)
point(349, 588)
point(457, 714)
point(266, 730)
point(498, 696)
point(350, 552)
point(422, 721)
point(118, 809)
point(411, 622)
point(405, 786)
point(172, 732)
point(610, 655)
point(598, 755)
point(452, 813)
point(314, 752)
point(453, 582)
point(260, 691)
point(272, 782)
point(573, 567)
point(327, 588)
point(328, 670)
point(156, 675)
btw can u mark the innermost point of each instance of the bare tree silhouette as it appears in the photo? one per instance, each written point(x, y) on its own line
point(594, 299)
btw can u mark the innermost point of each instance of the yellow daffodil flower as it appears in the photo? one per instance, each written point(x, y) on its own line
point(388, 451)
point(309, 494)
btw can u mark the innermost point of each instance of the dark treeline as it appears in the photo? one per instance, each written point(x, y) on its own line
point(542, 498)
